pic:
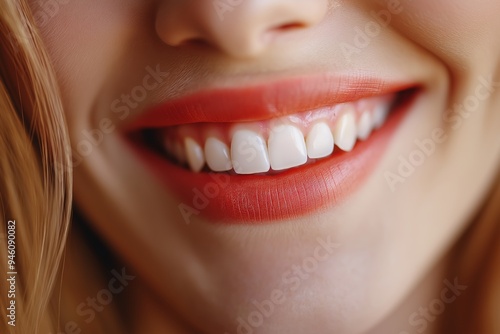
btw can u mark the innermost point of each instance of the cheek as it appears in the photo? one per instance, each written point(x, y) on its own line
point(83, 38)
point(454, 15)
point(458, 31)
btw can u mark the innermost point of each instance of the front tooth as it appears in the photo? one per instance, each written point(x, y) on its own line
point(365, 126)
point(217, 155)
point(380, 115)
point(287, 147)
point(194, 154)
point(249, 153)
point(345, 132)
point(319, 141)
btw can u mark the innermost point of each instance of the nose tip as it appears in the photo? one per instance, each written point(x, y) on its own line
point(238, 28)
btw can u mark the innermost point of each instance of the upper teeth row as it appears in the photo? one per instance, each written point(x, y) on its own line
point(286, 146)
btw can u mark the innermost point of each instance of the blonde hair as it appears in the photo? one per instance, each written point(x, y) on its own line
point(36, 192)
point(35, 185)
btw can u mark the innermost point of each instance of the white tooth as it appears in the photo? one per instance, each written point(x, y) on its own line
point(217, 155)
point(287, 147)
point(380, 115)
point(249, 153)
point(365, 125)
point(345, 132)
point(194, 153)
point(319, 141)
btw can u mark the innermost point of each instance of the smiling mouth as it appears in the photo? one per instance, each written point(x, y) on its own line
point(282, 150)
point(271, 146)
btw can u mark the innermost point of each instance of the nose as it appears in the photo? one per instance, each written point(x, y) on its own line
point(238, 28)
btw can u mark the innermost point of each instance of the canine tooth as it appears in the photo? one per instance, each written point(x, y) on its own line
point(194, 154)
point(249, 153)
point(365, 126)
point(345, 132)
point(217, 155)
point(319, 141)
point(287, 147)
point(380, 115)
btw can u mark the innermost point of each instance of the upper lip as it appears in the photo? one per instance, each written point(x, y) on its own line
point(261, 102)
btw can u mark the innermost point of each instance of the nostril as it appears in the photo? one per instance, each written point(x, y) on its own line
point(289, 26)
point(197, 41)
point(194, 42)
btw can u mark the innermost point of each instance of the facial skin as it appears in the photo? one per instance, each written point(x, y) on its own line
point(386, 240)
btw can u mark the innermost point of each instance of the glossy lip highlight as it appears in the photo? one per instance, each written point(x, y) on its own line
point(237, 199)
point(262, 102)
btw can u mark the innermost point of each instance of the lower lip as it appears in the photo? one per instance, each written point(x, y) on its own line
point(257, 199)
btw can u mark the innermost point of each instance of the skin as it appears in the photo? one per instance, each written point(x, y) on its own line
point(391, 242)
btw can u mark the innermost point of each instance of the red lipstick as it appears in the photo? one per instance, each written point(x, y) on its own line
point(259, 198)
